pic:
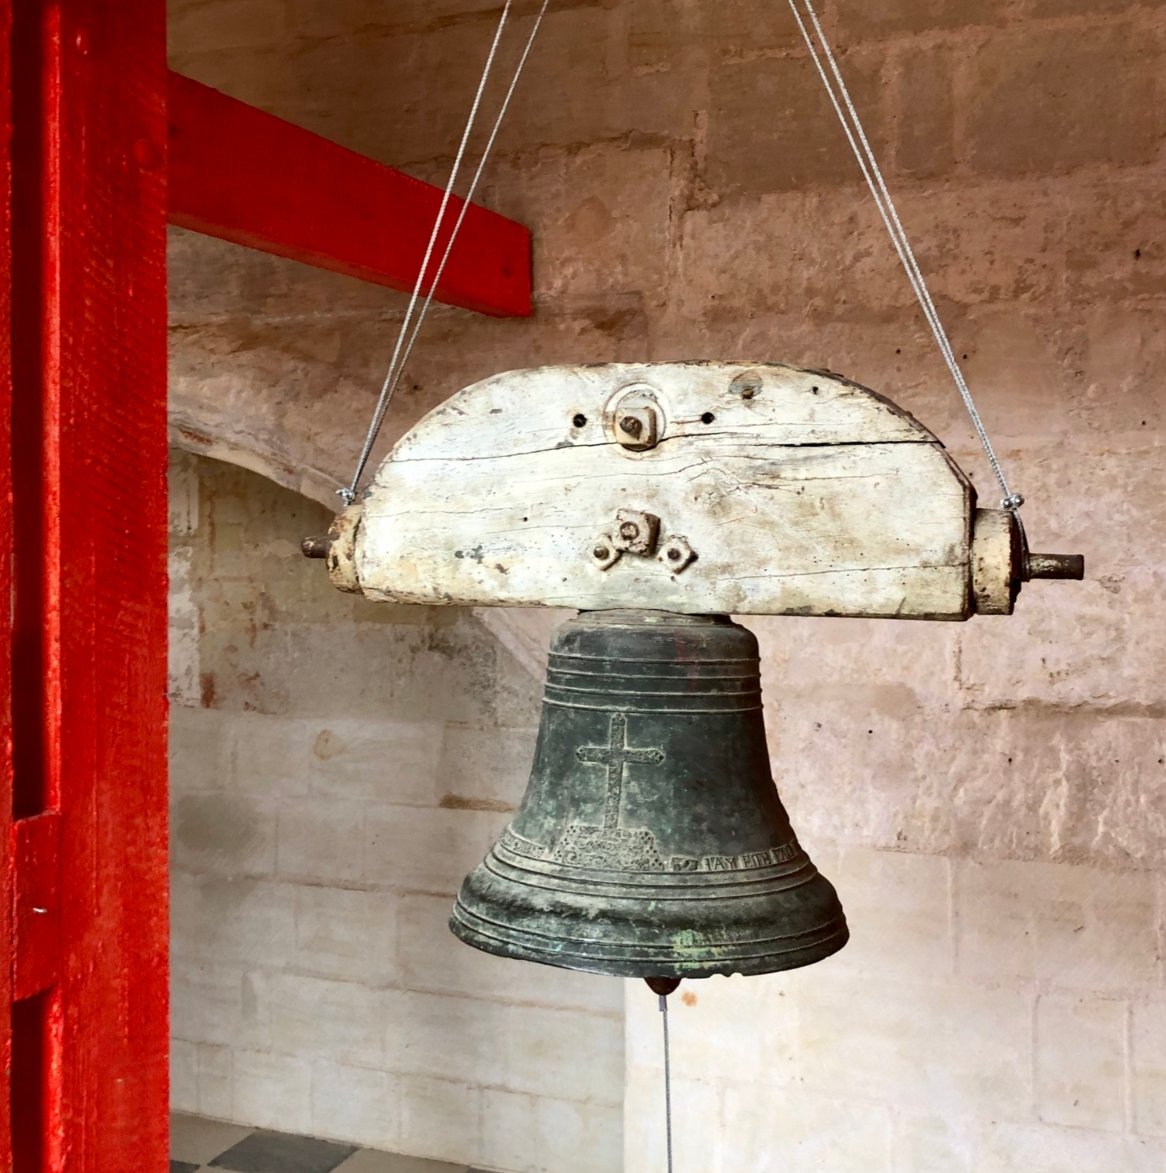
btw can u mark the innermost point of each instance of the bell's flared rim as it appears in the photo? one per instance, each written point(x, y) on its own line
point(777, 954)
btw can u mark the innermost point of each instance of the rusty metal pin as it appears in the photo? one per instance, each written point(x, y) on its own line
point(316, 547)
point(632, 426)
point(1070, 567)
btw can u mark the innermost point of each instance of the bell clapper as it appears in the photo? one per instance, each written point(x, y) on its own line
point(662, 987)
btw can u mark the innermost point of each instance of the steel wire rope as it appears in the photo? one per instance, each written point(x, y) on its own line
point(848, 116)
point(410, 328)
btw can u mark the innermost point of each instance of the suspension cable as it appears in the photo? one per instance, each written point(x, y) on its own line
point(415, 316)
point(848, 116)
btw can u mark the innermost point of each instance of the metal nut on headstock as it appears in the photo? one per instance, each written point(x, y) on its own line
point(635, 418)
point(637, 429)
point(677, 554)
point(605, 553)
point(636, 532)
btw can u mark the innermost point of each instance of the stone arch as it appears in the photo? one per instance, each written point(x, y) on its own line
point(254, 441)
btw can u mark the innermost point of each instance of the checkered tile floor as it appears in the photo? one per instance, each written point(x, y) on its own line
point(197, 1145)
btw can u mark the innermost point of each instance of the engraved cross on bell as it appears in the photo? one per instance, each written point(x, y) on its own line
point(615, 755)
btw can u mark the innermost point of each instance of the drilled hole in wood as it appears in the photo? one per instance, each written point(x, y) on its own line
point(707, 418)
point(580, 420)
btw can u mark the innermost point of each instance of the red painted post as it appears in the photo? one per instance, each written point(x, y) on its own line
point(84, 534)
point(7, 861)
point(246, 176)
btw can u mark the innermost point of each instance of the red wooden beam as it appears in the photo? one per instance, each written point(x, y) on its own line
point(84, 535)
point(251, 178)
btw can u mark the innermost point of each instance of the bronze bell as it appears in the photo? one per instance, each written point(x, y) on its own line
point(651, 841)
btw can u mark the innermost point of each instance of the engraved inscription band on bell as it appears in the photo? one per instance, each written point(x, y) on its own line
point(672, 869)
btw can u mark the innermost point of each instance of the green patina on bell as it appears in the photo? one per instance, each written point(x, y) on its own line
point(651, 841)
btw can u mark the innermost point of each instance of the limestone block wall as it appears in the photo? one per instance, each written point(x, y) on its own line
point(987, 1016)
point(990, 797)
point(336, 769)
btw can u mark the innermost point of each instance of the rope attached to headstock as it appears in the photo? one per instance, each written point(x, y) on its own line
point(415, 314)
point(822, 54)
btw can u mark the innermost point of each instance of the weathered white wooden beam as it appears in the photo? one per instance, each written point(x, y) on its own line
point(689, 487)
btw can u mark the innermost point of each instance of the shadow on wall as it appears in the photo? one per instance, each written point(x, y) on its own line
point(337, 766)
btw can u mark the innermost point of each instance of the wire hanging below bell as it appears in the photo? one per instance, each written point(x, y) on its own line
point(651, 841)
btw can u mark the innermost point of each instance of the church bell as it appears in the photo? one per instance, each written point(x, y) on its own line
point(651, 841)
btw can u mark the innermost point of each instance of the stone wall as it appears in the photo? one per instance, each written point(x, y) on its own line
point(337, 767)
point(990, 797)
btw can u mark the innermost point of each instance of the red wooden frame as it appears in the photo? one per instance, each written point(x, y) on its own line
point(84, 927)
point(254, 179)
point(84, 392)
